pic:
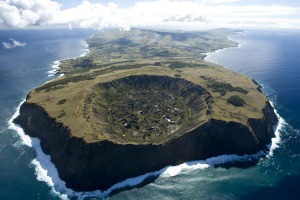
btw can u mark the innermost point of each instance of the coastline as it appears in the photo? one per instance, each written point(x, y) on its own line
point(46, 171)
point(239, 45)
point(276, 140)
point(55, 66)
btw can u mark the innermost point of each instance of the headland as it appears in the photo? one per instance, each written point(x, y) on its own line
point(141, 100)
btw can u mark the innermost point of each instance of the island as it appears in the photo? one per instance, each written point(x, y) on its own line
point(141, 100)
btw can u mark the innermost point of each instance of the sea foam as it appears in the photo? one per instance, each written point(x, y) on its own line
point(54, 68)
point(240, 44)
point(85, 49)
point(281, 122)
point(25, 139)
point(55, 65)
point(277, 130)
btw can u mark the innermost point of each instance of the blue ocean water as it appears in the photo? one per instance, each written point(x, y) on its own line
point(21, 70)
point(270, 57)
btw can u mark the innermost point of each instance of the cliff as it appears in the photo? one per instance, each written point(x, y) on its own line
point(90, 166)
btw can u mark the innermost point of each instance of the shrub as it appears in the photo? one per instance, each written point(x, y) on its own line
point(178, 64)
point(157, 64)
point(236, 101)
point(62, 114)
point(222, 88)
point(62, 101)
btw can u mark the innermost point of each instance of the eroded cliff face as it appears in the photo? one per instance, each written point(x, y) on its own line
point(86, 167)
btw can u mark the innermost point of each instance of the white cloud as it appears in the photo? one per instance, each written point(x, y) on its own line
point(14, 43)
point(185, 13)
point(23, 13)
point(217, 1)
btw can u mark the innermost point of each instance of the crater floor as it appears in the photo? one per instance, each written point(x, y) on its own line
point(144, 113)
point(147, 108)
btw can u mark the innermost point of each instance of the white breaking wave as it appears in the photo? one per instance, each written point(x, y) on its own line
point(46, 172)
point(281, 122)
point(55, 65)
point(203, 164)
point(54, 68)
point(239, 43)
point(277, 129)
point(25, 139)
point(86, 48)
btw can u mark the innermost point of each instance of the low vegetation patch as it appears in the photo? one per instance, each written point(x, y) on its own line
point(179, 64)
point(62, 101)
point(157, 64)
point(222, 88)
point(62, 114)
point(236, 101)
point(56, 87)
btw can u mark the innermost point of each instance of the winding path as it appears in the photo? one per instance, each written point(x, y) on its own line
point(71, 99)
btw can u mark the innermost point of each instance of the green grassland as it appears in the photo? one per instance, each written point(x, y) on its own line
point(86, 109)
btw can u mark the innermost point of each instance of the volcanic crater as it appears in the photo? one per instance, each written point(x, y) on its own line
point(148, 108)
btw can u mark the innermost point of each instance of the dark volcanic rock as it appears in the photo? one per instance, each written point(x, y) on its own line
point(90, 166)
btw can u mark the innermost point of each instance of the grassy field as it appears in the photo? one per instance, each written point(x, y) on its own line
point(114, 55)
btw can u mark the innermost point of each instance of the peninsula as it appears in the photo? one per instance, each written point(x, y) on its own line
point(141, 100)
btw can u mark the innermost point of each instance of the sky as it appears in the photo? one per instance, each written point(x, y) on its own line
point(126, 14)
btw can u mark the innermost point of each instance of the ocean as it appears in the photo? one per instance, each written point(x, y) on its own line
point(271, 57)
